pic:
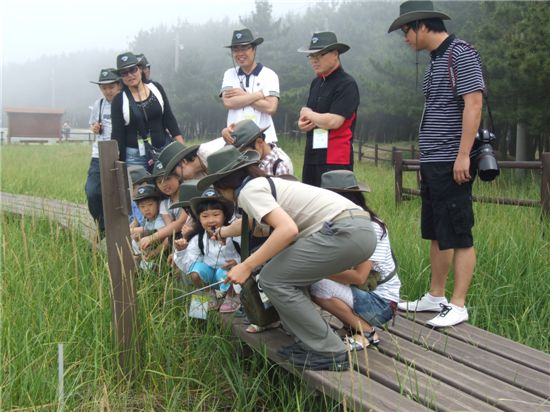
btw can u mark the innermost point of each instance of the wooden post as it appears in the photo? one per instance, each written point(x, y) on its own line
point(545, 184)
point(376, 154)
point(116, 205)
point(398, 167)
point(360, 154)
point(393, 150)
point(413, 152)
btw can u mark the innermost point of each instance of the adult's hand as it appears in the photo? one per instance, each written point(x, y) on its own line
point(239, 273)
point(226, 134)
point(461, 169)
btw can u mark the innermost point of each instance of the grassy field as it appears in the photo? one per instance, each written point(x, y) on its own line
point(54, 289)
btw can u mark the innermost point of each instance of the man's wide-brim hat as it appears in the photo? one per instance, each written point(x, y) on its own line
point(210, 195)
point(107, 76)
point(246, 131)
point(143, 62)
point(410, 11)
point(170, 156)
point(324, 42)
point(342, 181)
point(147, 192)
point(225, 161)
point(244, 37)
point(125, 61)
point(188, 190)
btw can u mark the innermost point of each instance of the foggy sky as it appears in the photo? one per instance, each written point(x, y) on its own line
point(32, 28)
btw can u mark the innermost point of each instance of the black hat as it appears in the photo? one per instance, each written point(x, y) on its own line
point(125, 61)
point(143, 62)
point(246, 131)
point(243, 37)
point(209, 195)
point(342, 181)
point(224, 162)
point(147, 192)
point(107, 76)
point(410, 11)
point(188, 190)
point(138, 175)
point(324, 41)
point(170, 156)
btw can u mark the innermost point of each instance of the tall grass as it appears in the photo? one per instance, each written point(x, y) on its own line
point(54, 288)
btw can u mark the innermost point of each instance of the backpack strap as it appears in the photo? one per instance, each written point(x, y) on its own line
point(201, 243)
point(154, 89)
point(133, 107)
point(276, 164)
point(245, 228)
point(100, 107)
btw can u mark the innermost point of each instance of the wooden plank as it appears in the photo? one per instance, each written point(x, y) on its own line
point(416, 384)
point(491, 342)
point(487, 388)
point(357, 389)
point(491, 364)
point(119, 253)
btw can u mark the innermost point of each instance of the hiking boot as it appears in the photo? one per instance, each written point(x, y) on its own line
point(450, 315)
point(426, 303)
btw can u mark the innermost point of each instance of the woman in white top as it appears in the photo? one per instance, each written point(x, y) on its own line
point(344, 294)
point(315, 233)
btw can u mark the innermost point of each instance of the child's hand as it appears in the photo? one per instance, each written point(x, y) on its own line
point(186, 230)
point(170, 260)
point(135, 232)
point(181, 244)
point(145, 242)
point(229, 264)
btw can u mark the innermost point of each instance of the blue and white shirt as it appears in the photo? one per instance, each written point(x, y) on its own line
point(441, 125)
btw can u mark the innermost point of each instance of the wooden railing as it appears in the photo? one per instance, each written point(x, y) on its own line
point(402, 193)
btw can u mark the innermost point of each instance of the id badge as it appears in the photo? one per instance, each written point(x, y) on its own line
point(320, 139)
point(198, 308)
point(141, 147)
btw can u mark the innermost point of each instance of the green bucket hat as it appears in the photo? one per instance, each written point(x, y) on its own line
point(324, 41)
point(209, 195)
point(410, 11)
point(243, 37)
point(125, 61)
point(225, 161)
point(138, 175)
point(171, 155)
point(107, 76)
point(246, 131)
point(147, 192)
point(188, 190)
point(143, 62)
point(342, 181)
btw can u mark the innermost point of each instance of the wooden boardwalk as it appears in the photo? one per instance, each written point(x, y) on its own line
point(414, 368)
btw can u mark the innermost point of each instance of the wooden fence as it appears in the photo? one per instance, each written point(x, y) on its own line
point(402, 193)
point(363, 152)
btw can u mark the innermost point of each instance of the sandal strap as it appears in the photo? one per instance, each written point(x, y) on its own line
point(370, 337)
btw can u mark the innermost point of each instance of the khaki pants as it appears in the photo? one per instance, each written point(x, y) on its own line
point(333, 249)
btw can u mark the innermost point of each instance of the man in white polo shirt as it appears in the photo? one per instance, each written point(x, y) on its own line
point(249, 89)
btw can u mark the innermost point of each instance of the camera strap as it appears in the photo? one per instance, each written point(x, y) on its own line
point(452, 77)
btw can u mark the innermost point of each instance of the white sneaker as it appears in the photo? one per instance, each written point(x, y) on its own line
point(450, 315)
point(426, 303)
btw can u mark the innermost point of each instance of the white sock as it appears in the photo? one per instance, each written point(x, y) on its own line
point(435, 298)
point(458, 308)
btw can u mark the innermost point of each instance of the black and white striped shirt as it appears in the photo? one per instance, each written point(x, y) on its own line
point(441, 125)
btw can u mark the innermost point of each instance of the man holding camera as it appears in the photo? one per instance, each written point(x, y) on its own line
point(453, 86)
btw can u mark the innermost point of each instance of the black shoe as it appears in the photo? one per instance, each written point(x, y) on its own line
point(307, 359)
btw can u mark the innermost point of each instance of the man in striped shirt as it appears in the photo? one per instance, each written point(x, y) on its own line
point(453, 86)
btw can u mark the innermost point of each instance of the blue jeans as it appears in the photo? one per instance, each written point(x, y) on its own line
point(210, 275)
point(93, 193)
point(133, 157)
point(375, 310)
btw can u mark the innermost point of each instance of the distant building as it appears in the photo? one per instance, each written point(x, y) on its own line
point(34, 122)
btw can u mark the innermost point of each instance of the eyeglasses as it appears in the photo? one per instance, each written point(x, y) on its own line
point(405, 29)
point(237, 49)
point(316, 56)
point(127, 72)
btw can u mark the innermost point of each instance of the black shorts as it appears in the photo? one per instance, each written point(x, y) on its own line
point(447, 214)
point(311, 173)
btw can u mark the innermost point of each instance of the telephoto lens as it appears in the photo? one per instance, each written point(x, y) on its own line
point(487, 165)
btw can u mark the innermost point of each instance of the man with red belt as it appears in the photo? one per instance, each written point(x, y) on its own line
point(331, 110)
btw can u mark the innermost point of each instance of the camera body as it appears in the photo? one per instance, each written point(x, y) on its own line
point(487, 165)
